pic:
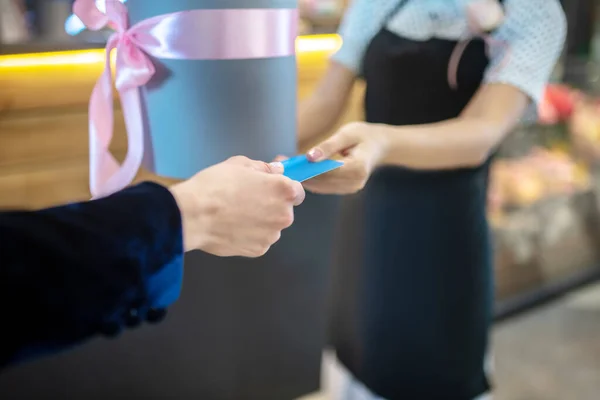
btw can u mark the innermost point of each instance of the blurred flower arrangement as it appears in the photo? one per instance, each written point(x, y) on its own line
point(579, 114)
point(560, 164)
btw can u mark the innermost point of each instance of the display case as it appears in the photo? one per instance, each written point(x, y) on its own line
point(545, 185)
point(544, 199)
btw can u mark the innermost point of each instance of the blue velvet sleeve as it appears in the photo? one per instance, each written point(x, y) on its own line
point(72, 272)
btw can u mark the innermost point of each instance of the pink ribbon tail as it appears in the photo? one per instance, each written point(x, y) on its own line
point(457, 53)
point(106, 174)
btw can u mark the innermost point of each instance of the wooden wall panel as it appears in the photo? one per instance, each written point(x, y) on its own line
point(43, 137)
point(58, 183)
point(41, 187)
point(47, 86)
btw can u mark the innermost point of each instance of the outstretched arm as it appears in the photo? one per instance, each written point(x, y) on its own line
point(71, 272)
point(466, 141)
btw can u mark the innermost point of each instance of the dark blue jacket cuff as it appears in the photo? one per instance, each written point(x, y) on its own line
point(68, 273)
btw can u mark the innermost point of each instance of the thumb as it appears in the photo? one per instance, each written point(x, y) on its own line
point(275, 167)
point(334, 145)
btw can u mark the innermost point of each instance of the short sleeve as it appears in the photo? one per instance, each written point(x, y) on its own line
point(527, 46)
point(361, 22)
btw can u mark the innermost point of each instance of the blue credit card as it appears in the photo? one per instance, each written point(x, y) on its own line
point(300, 169)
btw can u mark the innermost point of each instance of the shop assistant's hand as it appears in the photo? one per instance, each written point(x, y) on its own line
point(362, 147)
point(237, 208)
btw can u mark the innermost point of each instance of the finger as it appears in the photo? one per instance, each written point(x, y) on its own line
point(299, 192)
point(336, 144)
point(342, 188)
point(331, 178)
point(276, 167)
point(326, 187)
point(318, 187)
point(344, 180)
point(270, 168)
point(326, 183)
point(340, 173)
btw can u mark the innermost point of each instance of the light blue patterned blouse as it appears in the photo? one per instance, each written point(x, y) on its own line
point(534, 31)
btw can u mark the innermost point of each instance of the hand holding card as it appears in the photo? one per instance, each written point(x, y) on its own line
point(363, 148)
point(300, 169)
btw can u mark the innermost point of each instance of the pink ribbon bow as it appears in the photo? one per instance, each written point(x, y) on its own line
point(187, 35)
point(482, 16)
point(133, 69)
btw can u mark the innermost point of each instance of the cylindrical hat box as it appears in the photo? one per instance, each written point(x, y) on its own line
point(200, 112)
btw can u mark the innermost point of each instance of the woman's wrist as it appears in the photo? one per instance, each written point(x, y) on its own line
point(384, 137)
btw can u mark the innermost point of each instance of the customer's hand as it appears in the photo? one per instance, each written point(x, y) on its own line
point(237, 208)
point(362, 147)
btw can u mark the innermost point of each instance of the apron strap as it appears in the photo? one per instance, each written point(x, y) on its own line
point(463, 43)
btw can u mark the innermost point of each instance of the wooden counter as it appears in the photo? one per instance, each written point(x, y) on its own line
point(44, 126)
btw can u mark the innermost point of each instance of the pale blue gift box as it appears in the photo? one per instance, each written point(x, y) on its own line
point(201, 112)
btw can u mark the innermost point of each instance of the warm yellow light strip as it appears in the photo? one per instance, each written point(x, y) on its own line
point(304, 45)
point(318, 44)
point(62, 58)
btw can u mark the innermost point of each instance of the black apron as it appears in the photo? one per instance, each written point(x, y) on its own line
point(413, 275)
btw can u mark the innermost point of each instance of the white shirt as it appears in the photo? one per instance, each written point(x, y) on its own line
point(533, 30)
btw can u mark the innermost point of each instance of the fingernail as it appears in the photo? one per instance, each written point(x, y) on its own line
point(276, 167)
point(315, 154)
